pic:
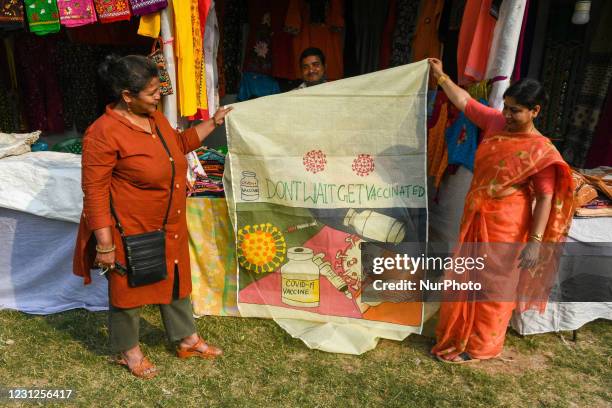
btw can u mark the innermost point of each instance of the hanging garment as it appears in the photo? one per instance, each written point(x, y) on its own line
point(11, 14)
point(211, 46)
point(234, 17)
point(74, 13)
point(198, 63)
point(503, 49)
point(257, 57)
point(309, 30)
point(405, 26)
point(254, 85)
point(437, 153)
point(601, 149)
point(43, 16)
point(144, 7)
point(384, 58)
point(184, 46)
point(462, 139)
point(516, 73)
point(112, 10)
point(426, 43)
point(37, 70)
point(369, 19)
point(475, 39)
point(596, 78)
point(150, 25)
point(282, 42)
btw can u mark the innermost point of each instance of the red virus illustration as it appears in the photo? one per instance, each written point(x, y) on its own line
point(314, 161)
point(363, 165)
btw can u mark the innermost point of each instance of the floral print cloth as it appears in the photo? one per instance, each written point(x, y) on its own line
point(43, 16)
point(74, 13)
point(112, 10)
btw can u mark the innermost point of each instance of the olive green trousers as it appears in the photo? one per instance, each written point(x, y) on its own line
point(124, 324)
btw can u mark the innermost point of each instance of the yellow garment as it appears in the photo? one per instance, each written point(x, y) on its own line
point(480, 90)
point(185, 58)
point(150, 25)
point(198, 51)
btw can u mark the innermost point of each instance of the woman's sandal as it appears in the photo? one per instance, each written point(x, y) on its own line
point(209, 352)
point(462, 358)
point(145, 369)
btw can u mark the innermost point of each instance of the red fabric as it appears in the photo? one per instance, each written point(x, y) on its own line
point(122, 159)
point(384, 59)
point(475, 39)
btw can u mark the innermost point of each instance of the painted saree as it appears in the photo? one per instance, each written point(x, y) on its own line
point(498, 209)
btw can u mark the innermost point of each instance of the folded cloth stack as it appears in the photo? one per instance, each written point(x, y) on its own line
point(14, 144)
point(209, 182)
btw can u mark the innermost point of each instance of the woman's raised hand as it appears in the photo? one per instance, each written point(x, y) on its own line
point(436, 67)
point(219, 116)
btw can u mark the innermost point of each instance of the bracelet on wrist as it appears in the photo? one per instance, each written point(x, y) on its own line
point(105, 250)
point(536, 237)
point(442, 79)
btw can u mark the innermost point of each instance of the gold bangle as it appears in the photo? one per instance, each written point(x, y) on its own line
point(105, 250)
point(442, 79)
point(537, 237)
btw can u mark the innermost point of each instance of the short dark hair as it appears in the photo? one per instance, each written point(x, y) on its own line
point(528, 92)
point(131, 73)
point(312, 52)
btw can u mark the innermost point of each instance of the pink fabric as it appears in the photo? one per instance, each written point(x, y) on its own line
point(475, 37)
point(74, 13)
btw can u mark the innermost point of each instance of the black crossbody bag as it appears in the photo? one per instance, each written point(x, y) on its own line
point(146, 253)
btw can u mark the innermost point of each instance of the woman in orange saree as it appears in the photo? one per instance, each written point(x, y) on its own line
point(521, 192)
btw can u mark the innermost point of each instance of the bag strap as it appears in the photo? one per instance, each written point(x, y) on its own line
point(157, 45)
point(161, 137)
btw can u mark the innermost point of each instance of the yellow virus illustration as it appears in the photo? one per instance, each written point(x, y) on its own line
point(261, 247)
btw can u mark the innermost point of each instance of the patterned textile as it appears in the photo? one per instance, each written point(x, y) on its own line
point(596, 78)
point(407, 14)
point(142, 7)
point(198, 53)
point(43, 16)
point(112, 10)
point(11, 11)
point(213, 258)
point(233, 17)
point(74, 13)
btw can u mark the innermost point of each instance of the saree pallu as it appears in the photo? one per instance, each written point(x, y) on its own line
point(498, 209)
point(112, 10)
point(43, 16)
point(142, 7)
point(75, 13)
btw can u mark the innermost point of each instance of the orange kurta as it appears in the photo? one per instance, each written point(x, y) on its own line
point(131, 164)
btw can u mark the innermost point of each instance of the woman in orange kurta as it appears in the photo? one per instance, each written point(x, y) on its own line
point(522, 193)
point(124, 158)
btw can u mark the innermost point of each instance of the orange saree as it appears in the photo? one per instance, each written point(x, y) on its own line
point(498, 208)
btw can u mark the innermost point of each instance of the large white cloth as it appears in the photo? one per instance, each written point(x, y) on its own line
point(318, 171)
point(503, 48)
point(36, 267)
point(47, 184)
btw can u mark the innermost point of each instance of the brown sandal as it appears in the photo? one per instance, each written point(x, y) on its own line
point(209, 352)
point(145, 369)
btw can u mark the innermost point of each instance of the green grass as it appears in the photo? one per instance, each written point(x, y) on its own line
point(264, 367)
